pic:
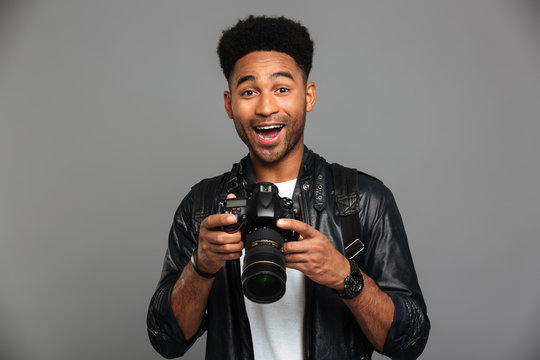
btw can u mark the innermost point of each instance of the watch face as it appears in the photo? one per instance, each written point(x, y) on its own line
point(354, 282)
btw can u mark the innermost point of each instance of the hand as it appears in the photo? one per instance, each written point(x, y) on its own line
point(314, 255)
point(215, 245)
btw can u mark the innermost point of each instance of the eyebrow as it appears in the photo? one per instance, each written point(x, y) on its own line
point(244, 79)
point(273, 76)
point(282, 73)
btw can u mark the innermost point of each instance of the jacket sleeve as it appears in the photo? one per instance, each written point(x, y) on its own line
point(389, 263)
point(163, 330)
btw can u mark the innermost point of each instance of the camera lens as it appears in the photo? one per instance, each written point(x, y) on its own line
point(264, 274)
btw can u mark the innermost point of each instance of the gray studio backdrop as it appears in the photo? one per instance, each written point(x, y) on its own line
point(111, 110)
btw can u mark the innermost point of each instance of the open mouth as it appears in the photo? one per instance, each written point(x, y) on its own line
point(269, 131)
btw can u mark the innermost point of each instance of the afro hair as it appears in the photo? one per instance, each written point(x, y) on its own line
point(262, 33)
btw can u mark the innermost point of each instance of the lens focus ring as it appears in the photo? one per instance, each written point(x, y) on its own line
point(264, 234)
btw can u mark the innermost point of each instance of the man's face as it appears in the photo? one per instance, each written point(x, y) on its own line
point(268, 100)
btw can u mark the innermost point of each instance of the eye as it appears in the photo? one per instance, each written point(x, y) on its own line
point(282, 90)
point(248, 93)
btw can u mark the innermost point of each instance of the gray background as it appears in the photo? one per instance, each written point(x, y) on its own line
point(111, 110)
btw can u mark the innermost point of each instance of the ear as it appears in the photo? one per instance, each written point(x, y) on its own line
point(227, 101)
point(311, 96)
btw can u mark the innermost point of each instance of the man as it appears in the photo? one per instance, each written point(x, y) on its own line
point(323, 314)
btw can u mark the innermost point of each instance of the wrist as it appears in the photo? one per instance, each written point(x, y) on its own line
point(352, 284)
point(198, 270)
point(343, 271)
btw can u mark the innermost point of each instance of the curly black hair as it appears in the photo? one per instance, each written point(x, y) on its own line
point(262, 33)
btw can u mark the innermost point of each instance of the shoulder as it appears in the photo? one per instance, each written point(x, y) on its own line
point(370, 185)
point(348, 180)
point(347, 176)
point(202, 195)
point(225, 182)
point(368, 189)
point(208, 183)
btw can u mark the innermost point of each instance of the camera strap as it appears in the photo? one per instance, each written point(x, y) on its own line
point(348, 203)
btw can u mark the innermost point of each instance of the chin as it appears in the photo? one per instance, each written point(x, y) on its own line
point(270, 156)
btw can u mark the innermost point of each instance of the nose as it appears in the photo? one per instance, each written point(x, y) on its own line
point(267, 105)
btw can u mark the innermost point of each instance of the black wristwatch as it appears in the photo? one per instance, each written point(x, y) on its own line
point(354, 282)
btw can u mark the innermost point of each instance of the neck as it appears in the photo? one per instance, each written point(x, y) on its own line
point(280, 171)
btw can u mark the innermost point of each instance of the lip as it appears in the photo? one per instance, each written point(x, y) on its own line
point(268, 141)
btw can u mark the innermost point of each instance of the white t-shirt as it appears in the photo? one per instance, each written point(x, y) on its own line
point(276, 328)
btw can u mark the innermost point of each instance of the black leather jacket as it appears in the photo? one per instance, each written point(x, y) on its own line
point(330, 330)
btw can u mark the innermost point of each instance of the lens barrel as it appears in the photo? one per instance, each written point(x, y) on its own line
point(264, 273)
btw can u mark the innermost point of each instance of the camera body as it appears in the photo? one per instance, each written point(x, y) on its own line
point(264, 273)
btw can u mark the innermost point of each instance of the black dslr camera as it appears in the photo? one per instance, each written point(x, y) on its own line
point(263, 273)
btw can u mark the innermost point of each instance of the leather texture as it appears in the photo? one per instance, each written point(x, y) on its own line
point(330, 329)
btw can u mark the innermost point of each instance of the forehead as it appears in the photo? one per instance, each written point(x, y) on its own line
point(263, 64)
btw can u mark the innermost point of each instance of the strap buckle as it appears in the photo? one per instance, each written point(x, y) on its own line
point(354, 248)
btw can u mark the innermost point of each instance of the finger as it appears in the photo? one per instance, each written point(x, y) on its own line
point(295, 258)
point(229, 256)
point(212, 245)
point(226, 248)
point(218, 220)
point(231, 196)
point(300, 227)
point(295, 247)
point(300, 266)
point(222, 238)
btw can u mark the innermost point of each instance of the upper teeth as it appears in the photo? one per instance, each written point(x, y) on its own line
point(269, 127)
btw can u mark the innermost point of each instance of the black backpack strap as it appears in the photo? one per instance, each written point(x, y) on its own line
point(204, 196)
point(348, 204)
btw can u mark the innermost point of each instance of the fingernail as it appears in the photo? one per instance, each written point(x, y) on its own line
point(281, 222)
point(231, 219)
